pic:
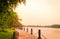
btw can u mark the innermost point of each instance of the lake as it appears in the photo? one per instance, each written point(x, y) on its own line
point(46, 33)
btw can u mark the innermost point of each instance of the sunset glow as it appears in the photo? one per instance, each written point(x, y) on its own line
point(39, 12)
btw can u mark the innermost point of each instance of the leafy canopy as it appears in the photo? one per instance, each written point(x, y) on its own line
point(8, 17)
point(9, 4)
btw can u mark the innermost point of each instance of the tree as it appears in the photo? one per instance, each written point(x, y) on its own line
point(6, 5)
point(8, 17)
point(56, 26)
point(13, 19)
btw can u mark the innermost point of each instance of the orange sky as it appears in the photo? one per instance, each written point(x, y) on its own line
point(39, 12)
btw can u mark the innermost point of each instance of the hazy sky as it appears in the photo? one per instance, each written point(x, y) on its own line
point(39, 12)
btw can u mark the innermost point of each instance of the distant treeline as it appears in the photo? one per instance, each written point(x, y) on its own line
point(56, 26)
point(51, 26)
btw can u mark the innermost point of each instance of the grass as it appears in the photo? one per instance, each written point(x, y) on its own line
point(8, 34)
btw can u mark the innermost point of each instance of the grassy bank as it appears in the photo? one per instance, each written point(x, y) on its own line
point(7, 34)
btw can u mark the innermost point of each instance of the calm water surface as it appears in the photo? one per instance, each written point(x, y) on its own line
point(48, 33)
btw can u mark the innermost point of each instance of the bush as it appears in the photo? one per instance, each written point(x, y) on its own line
point(7, 35)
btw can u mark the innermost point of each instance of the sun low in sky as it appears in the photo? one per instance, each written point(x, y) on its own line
point(39, 12)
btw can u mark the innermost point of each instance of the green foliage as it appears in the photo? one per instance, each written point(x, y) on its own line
point(8, 17)
point(13, 21)
point(3, 20)
point(6, 5)
point(7, 35)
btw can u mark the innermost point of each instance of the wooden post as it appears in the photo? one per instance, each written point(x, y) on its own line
point(14, 35)
point(24, 29)
point(31, 31)
point(27, 29)
point(39, 34)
